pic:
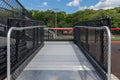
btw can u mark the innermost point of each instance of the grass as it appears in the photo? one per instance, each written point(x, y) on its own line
point(116, 39)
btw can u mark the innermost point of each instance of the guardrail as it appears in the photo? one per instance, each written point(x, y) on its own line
point(23, 43)
point(95, 42)
point(27, 44)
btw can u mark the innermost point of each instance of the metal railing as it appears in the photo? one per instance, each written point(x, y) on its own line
point(23, 43)
point(95, 42)
point(9, 43)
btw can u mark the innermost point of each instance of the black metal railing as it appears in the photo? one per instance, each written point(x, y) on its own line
point(94, 43)
point(24, 43)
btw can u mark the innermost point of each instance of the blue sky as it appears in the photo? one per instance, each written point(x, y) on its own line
point(69, 6)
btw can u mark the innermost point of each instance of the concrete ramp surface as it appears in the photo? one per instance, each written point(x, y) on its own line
point(59, 61)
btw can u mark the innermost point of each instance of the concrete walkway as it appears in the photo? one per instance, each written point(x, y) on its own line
point(59, 61)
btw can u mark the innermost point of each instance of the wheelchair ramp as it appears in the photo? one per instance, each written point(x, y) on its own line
point(59, 61)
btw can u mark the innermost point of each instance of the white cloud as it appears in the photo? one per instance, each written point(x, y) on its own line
point(103, 4)
point(106, 4)
point(83, 8)
point(45, 3)
point(74, 3)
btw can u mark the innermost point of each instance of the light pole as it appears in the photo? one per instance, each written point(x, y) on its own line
point(55, 19)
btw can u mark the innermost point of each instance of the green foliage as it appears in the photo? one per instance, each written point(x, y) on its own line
point(116, 39)
point(68, 20)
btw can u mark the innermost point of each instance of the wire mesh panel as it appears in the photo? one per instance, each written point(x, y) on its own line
point(23, 44)
point(26, 42)
point(94, 43)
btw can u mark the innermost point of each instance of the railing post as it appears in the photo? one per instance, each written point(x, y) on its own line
point(8, 24)
point(86, 36)
point(8, 55)
point(102, 46)
point(33, 38)
point(109, 53)
point(109, 22)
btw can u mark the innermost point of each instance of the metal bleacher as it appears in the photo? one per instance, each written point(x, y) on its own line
point(31, 51)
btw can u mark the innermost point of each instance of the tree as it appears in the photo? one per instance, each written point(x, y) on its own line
point(68, 20)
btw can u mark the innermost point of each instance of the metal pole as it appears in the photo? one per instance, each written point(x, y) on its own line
point(109, 53)
point(56, 21)
point(8, 53)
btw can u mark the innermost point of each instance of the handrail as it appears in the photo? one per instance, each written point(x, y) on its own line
point(62, 29)
point(109, 46)
point(8, 44)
